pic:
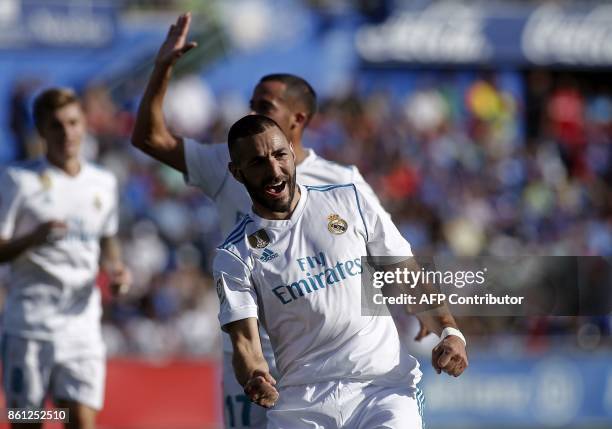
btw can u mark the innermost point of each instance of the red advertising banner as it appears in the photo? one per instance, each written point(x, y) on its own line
point(159, 395)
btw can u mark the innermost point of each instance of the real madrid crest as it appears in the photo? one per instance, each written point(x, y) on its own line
point(336, 224)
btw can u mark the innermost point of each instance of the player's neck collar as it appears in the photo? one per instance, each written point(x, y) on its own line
point(285, 223)
point(47, 164)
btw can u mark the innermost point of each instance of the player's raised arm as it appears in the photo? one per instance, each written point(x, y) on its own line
point(151, 135)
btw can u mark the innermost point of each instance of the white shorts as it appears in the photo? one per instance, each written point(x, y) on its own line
point(31, 371)
point(347, 405)
point(238, 411)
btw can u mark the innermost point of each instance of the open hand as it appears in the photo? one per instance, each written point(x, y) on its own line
point(449, 356)
point(176, 45)
point(260, 389)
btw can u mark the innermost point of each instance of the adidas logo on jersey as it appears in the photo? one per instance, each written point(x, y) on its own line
point(267, 255)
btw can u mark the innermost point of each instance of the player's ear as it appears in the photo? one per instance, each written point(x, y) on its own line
point(235, 171)
point(299, 119)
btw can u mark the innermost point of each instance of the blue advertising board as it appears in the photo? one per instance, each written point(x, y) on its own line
point(559, 390)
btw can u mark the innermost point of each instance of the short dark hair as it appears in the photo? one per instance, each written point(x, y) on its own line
point(248, 126)
point(49, 101)
point(296, 89)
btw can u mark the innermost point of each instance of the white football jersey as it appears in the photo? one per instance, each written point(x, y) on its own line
point(52, 293)
point(301, 278)
point(207, 170)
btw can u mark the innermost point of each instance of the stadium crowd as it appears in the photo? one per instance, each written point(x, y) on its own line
point(467, 173)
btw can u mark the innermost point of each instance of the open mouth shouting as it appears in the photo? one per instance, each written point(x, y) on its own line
point(275, 189)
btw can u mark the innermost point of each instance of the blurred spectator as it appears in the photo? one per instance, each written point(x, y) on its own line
point(20, 121)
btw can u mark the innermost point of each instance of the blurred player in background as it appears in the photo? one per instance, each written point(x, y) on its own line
point(287, 99)
point(294, 264)
point(58, 221)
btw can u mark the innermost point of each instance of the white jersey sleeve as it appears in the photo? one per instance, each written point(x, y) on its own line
point(9, 205)
point(206, 166)
point(363, 186)
point(237, 295)
point(382, 236)
point(111, 224)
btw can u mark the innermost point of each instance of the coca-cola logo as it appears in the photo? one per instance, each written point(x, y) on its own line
point(552, 35)
point(444, 33)
point(79, 27)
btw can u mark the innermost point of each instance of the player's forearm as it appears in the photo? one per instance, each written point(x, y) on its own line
point(12, 249)
point(246, 362)
point(248, 356)
point(435, 317)
point(119, 275)
point(150, 130)
point(435, 320)
point(110, 253)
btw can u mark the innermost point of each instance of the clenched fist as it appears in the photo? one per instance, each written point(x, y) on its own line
point(260, 389)
point(450, 356)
